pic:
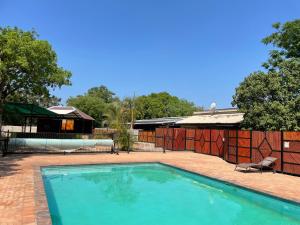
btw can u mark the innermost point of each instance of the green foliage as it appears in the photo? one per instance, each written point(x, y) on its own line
point(103, 93)
point(117, 117)
point(112, 116)
point(124, 138)
point(41, 100)
point(92, 106)
point(28, 67)
point(162, 104)
point(271, 99)
point(108, 111)
point(285, 39)
point(98, 102)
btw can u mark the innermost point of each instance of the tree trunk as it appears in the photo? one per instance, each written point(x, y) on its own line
point(1, 115)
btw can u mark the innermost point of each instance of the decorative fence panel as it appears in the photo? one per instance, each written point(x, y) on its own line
point(236, 146)
point(217, 142)
point(159, 137)
point(232, 146)
point(169, 138)
point(291, 153)
point(179, 139)
point(142, 137)
point(146, 136)
point(266, 143)
point(202, 141)
point(190, 139)
point(244, 146)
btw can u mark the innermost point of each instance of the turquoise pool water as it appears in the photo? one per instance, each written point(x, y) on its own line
point(155, 194)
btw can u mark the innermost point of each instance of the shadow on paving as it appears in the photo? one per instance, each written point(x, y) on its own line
point(256, 171)
point(9, 165)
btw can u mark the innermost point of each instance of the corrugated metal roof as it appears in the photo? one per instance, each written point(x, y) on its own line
point(27, 110)
point(227, 118)
point(164, 120)
point(61, 110)
point(70, 112)
point(217, 111)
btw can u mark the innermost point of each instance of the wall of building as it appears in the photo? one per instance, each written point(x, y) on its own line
point(18, 129)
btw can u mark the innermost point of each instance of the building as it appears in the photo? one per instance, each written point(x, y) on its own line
point(151, 124)
point(219, 118)
point(68, 119)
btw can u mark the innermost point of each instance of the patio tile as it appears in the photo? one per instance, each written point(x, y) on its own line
point(21, 192)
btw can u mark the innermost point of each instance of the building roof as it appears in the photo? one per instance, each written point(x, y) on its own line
point(70, 112)
point(158, 121)
point(219, 116)
point(28, 110)
point(218, 111)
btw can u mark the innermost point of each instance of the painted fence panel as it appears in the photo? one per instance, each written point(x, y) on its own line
point(217, 142)
point(179, 139)
point(232, 146)
point(291, 152)
point(266, 143)
point(159, 137)
point(202, 141)
point(169, 136)
point(146, 136)
point(235, 146)
point(244, 146)
point(190, 139)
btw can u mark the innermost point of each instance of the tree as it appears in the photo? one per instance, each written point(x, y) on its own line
point(271, 99)
point(28, 67)
point(112, 115)
point(118, 119)
point(162, 104)
point(41, 100)
point(98, 102)
point(93, 106)
point(103, 93)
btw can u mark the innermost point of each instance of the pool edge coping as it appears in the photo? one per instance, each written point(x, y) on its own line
point(41, 203)
point(42, 212)
point(235, 184)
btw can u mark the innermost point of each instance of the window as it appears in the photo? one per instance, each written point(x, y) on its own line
point(67, 124)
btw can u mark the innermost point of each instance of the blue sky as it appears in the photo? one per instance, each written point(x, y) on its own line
point(199, 50)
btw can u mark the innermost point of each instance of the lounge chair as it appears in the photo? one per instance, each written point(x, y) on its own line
point(267, 162)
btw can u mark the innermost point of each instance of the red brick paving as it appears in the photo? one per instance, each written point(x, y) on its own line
point(17, 195)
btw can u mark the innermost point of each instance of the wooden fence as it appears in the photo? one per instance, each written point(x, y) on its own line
point(146, 136)
point(235, 146)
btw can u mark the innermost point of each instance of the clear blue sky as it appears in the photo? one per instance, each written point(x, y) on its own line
point(196, 49)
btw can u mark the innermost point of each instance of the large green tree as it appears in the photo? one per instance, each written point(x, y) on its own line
point(162, 104)
point(270, 99)
point(28, 68)
point(98, 102)
point(102, 92)
point(108, 110)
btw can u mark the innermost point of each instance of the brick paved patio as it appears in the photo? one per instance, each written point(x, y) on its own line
point(17, 195)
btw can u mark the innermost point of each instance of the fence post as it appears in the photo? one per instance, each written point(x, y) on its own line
point(164, 140)
point(281, 152)
point(173, 138)
point(237, 147)
point(224, 139)
point(228, 144)
point(194, 139)
point(210, 141)
point(147, 136)
point(251, 145)
point(185, 139)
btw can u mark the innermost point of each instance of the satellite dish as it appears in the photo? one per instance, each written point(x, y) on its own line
point(213, 107)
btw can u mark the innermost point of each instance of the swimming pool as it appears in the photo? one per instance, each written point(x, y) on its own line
point(155, 194)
